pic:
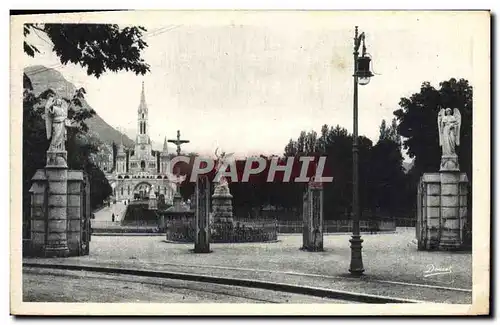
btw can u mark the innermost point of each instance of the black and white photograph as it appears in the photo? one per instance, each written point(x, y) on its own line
point(215, 162)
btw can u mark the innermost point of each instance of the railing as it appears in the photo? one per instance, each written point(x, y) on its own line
point(103, 226)
point(329, 226)
point(340, 226)
point(406, 222)
point(224, 232)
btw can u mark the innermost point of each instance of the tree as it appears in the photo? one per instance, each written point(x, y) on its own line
point(323, 139)
point(311, 142)
point(98, 47)
point(301, 143)
point(291, 149)
point(387, 178)
point(390, 132)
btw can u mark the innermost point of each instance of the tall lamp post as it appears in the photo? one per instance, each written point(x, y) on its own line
point(361, 76)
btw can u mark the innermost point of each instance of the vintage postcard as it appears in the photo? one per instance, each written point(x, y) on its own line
point(250, 163)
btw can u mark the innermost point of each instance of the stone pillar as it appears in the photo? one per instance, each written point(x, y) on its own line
point(202, 222)
point(305, 218)
point(430, 213)
point(313, 218)
point(453, 209)
point(38, 214)
point(56, 243)
point(222, 205)
point(76, 212)
point(453, 203)
point(222, 214)
point(442, 210)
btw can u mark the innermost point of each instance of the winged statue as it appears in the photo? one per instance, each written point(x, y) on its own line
point(222, 161)
point(449, 123)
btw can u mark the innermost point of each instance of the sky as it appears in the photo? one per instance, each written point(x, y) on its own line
point(249, 83)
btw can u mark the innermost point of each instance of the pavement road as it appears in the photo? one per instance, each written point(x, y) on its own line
point(42, 285)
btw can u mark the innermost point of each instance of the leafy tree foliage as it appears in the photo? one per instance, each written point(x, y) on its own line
point(388, 180)
point(97, 47)
point(390, 132)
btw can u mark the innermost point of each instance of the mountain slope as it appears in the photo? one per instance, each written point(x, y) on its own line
point(43, 78)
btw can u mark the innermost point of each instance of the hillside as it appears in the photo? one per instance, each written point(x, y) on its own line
point(43, 78)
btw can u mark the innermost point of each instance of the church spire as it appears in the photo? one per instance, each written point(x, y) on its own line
point(142, 105)
point(121, 147)
point(164, 152)
point(165, 148)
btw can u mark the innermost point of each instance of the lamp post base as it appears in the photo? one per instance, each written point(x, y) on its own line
point(356, 267)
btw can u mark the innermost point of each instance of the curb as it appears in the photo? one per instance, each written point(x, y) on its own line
point(215, 243)
point(275, 286)
point(150, 234)
point(338, 233)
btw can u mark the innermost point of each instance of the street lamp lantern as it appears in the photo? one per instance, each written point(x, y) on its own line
point(363, 70)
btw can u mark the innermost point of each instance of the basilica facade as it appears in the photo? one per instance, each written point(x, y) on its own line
point(140, 170)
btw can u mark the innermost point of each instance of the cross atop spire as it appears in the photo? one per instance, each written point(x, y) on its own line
point(142, 105)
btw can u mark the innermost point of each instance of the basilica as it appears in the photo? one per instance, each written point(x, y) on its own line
point(140, 170)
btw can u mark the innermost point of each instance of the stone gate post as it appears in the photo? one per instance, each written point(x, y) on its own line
point(202, 223)
point(313, 217)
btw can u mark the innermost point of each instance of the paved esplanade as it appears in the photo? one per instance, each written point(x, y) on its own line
point(103, 217)
point(394, 266)
point(83, 287)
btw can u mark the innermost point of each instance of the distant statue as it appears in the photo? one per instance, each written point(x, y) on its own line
point(56, 122)
point(221, 163)
point(449, 130)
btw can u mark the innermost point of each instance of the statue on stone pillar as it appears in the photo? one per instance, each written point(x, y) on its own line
point(56, 122)
point(449, 123)
point(222, 160)
point(449, 130)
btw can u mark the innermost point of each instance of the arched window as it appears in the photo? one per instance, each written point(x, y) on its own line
point(121, 191)
point(128, 190)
